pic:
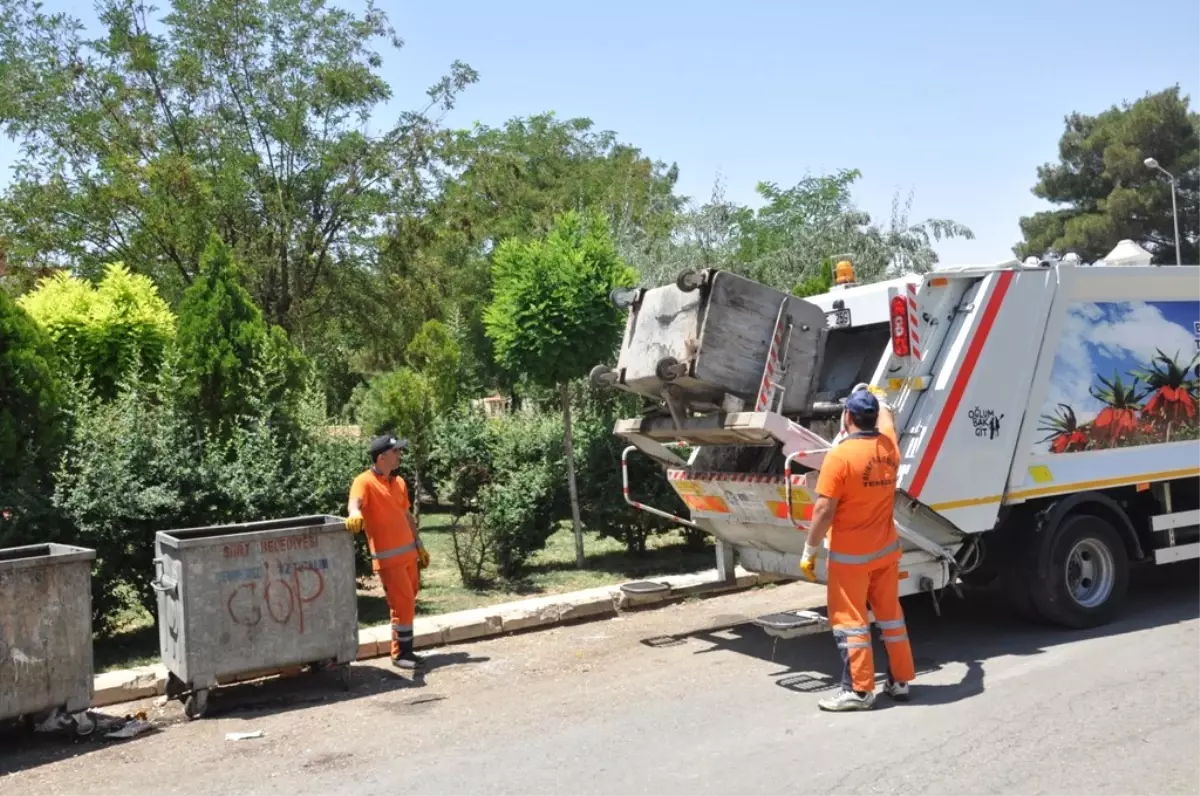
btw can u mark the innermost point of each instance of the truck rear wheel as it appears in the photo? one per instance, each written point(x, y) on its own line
point(1083, 573)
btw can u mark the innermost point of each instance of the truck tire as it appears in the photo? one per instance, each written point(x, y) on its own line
point(1017, 551)
point(1084, 573)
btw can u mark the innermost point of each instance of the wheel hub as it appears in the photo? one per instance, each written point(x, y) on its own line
point(1091, 573)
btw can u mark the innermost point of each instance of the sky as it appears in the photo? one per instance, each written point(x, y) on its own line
point(956, 102)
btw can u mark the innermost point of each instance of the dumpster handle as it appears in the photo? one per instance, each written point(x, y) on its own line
point(643, 506)
point(787, 485)
point(161, 582)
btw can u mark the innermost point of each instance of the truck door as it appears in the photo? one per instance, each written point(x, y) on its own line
point(959, 372)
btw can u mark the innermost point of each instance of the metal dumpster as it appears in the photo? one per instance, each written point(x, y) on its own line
point(238, 599)
point(45, 629)
point(708, 337)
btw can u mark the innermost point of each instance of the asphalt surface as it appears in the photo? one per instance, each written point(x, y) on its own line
point(689, 699)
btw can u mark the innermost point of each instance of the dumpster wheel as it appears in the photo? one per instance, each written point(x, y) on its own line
point(196, 704)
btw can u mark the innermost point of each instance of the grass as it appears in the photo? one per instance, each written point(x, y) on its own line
point(551, 571)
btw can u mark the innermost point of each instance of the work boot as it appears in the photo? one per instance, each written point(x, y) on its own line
point(408, 662)
point(844, 701)
point(897, 691)
point(407, 659)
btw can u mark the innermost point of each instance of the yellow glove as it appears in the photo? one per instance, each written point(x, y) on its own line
point(808, 563)
point(878, 393)
point(354, 524)
point(422, 557)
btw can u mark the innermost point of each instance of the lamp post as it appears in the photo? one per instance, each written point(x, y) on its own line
point(1151, 163)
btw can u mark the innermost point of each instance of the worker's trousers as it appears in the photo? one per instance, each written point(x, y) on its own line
point(401, 582)
point(853, 588)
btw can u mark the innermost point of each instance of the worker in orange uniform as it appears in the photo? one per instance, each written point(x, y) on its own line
point(379, 504)
point(856, 492)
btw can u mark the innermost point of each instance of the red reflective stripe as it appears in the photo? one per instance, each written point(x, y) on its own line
point(950, 408)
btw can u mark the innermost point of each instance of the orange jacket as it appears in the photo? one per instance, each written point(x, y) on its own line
point(384, 503)
point(860, 473)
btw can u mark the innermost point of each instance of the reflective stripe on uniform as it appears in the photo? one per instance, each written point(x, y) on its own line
point(889, 624)
point(895, 639)
point(395, 551)
point(865, 558)
point(853, 637)
point(402, 631)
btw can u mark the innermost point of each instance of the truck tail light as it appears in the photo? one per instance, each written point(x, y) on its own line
point(899, 318)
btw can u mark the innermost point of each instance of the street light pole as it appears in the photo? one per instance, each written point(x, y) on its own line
point(1153, 164)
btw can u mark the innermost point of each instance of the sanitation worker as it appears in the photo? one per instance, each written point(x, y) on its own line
point(856, 491)
point(379, 504)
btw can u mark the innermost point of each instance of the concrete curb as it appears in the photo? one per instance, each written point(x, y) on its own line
point(116, 687)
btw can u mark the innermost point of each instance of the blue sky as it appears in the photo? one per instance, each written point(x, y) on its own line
point(958, 102)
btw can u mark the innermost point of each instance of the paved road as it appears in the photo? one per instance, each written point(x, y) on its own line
point(689, 700)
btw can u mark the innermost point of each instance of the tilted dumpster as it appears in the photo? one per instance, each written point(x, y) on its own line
point(238, 599)
point(45, 629)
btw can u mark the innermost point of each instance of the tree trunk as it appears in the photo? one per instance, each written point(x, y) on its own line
point(416, 495)
point(570, 451)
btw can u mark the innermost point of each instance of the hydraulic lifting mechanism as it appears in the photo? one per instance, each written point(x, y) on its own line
point(737, 377)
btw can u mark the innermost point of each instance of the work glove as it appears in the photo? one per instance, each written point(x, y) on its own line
point(354, 524)
point(808, 563)
point(422, 557)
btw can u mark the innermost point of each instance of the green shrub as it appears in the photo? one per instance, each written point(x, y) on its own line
point(31, 426)
point(138, 464)
point(104, 332)
point(503, 479)
point(460, 457)
point(601, 497)
point(518, 513)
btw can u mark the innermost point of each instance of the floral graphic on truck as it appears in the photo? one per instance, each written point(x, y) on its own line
point(1125, 374)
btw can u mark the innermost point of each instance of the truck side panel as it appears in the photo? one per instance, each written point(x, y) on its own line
point(960, 435)
point(1108, 323)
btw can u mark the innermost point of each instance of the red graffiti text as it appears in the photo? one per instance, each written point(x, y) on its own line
point(281, 598)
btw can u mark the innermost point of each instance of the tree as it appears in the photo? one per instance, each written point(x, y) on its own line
point(786, 241)
point(231, 361)
point(435, 354)
point(1106, 191)
point(248, 119)
point(551, 318)
point(103, 332)
point(516, 180)
point(31, 427)
point(513, 181)
point(406, 401)
point(818, 283)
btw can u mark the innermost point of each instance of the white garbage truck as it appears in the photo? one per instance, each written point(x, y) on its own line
point(1047, 415)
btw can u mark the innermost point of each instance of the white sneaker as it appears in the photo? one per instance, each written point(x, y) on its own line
point(844, 701)
point(897, 691)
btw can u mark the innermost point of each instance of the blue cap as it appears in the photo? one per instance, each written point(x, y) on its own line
point(862, 403)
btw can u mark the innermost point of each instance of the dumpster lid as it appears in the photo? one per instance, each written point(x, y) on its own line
point(40, 555)
point(196, 537)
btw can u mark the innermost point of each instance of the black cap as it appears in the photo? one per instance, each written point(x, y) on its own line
point(383, 444)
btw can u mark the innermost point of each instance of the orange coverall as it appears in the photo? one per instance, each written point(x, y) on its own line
point(864, 555)
point(384, 504)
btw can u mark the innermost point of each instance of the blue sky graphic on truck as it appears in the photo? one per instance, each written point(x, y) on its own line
point(1125, 373)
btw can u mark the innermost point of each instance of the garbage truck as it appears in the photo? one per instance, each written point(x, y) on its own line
point(1046, 412)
